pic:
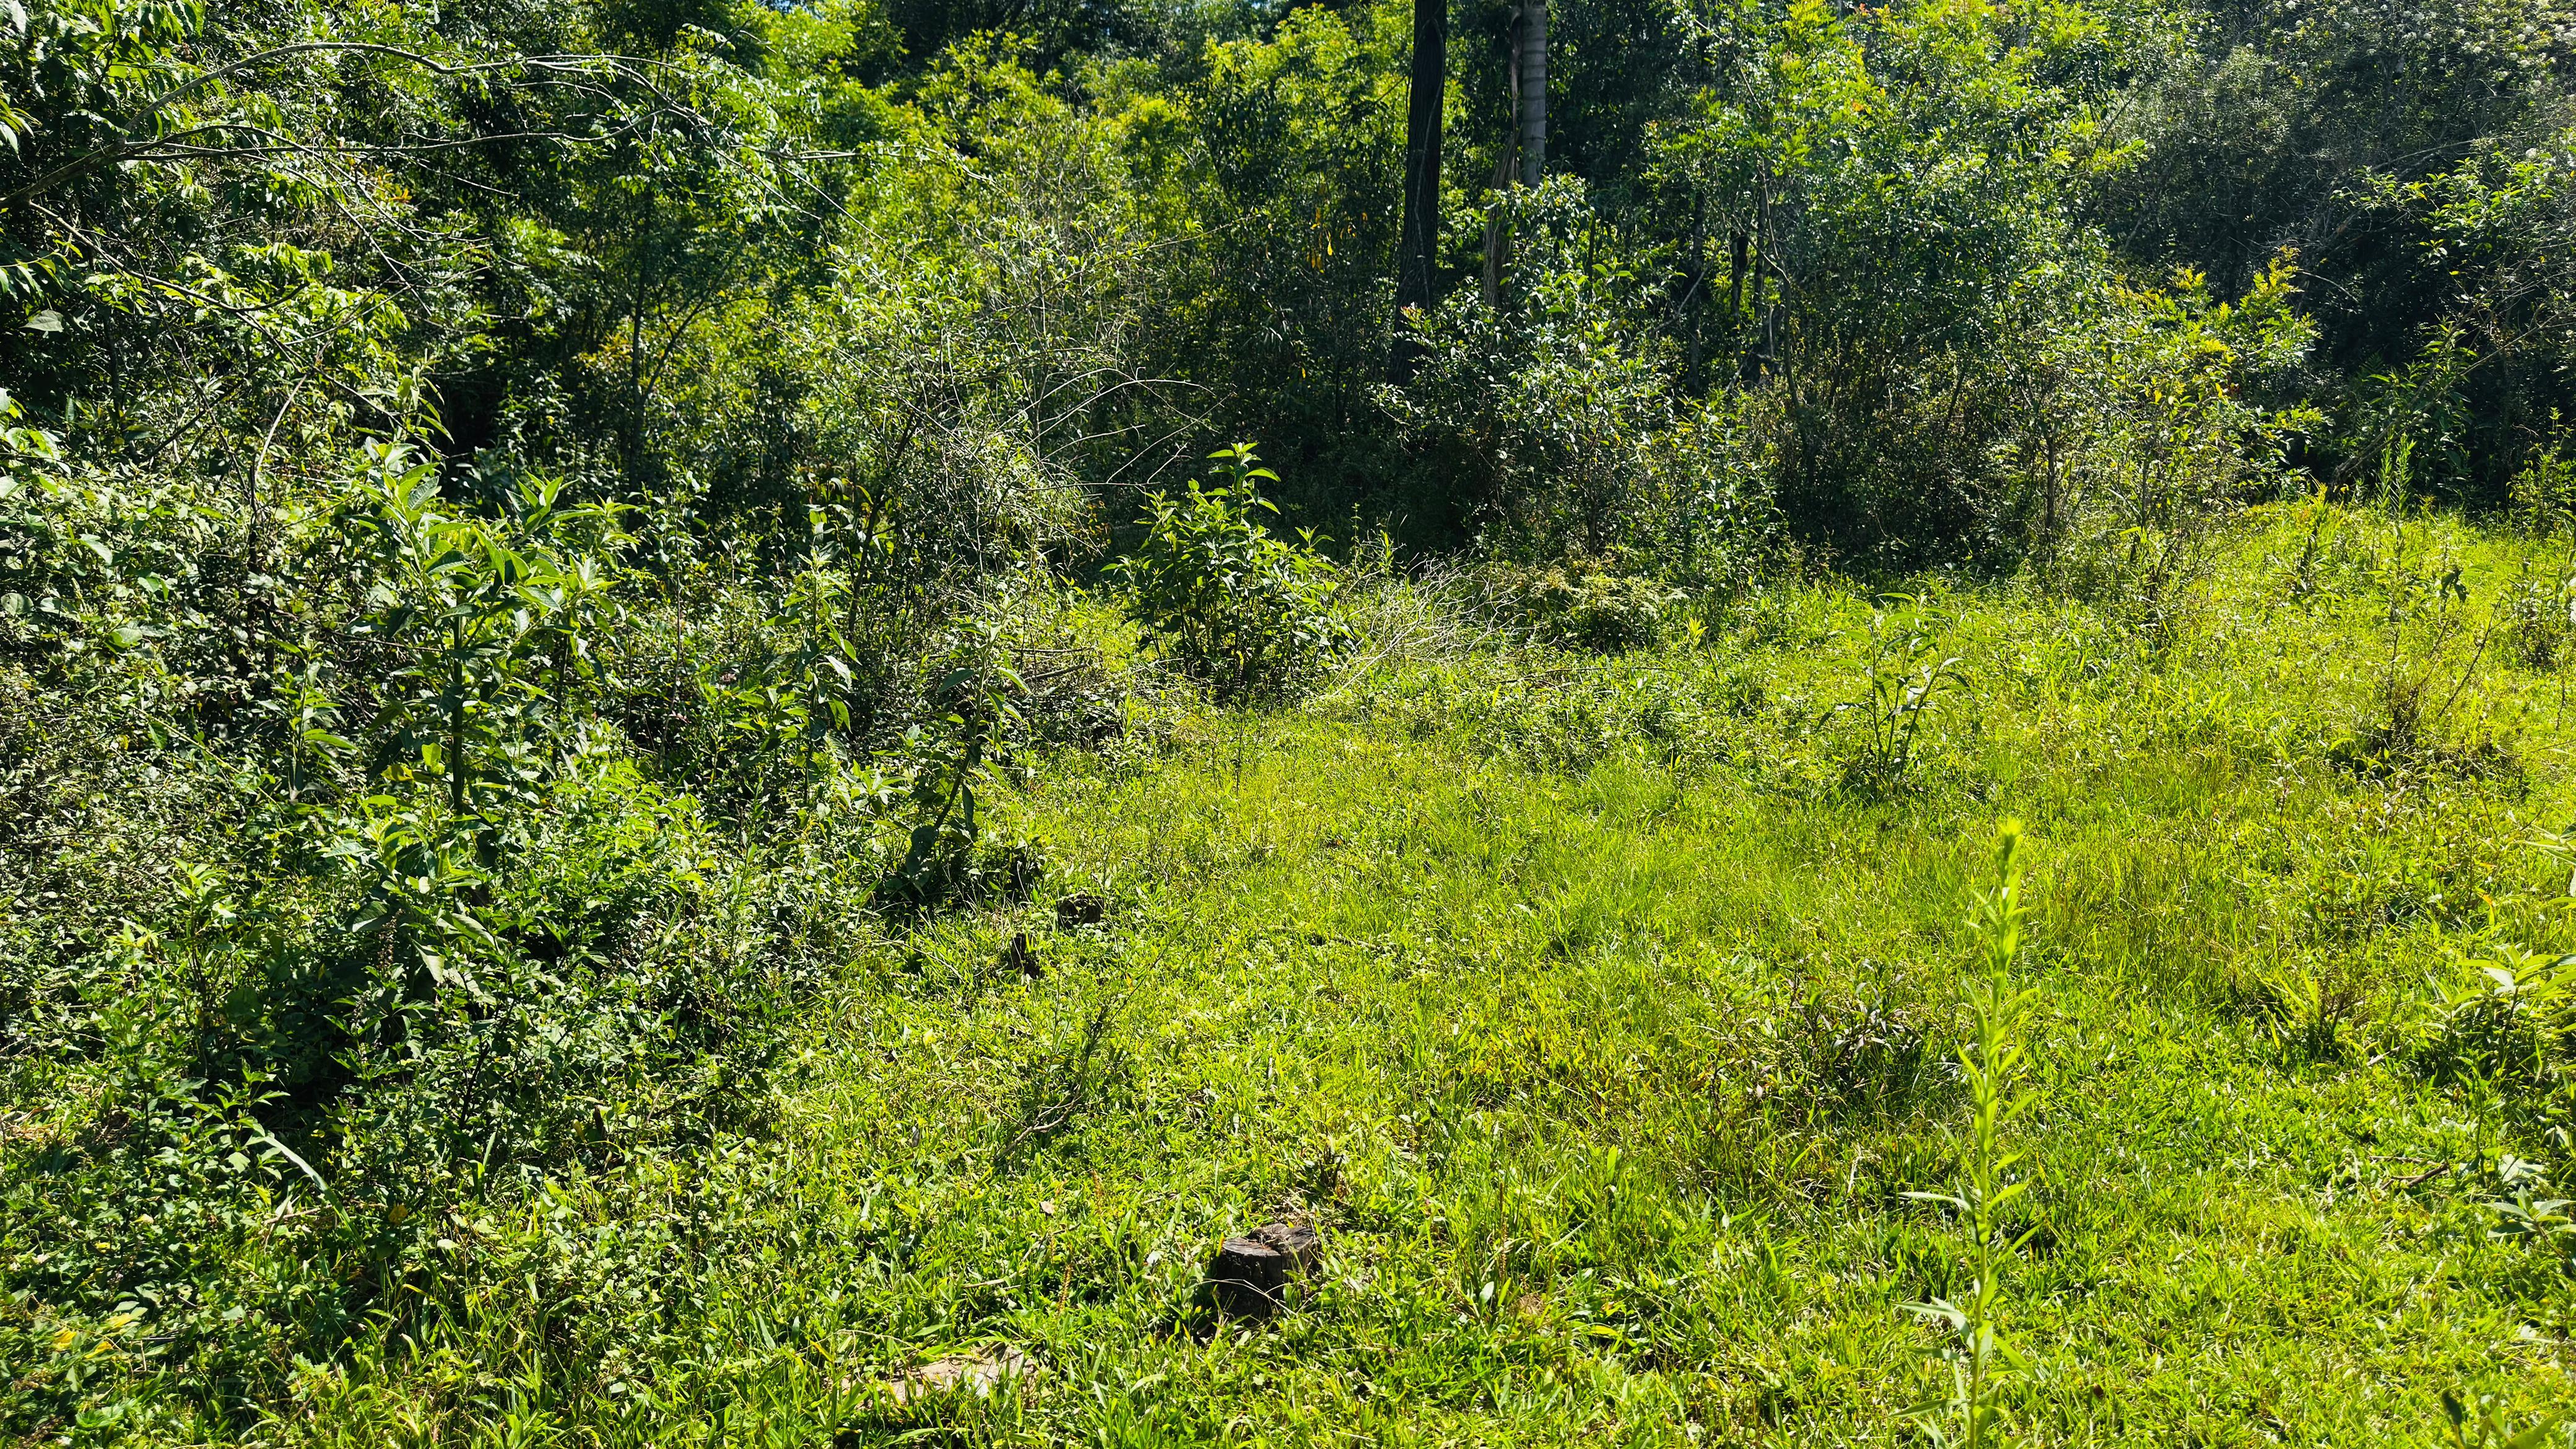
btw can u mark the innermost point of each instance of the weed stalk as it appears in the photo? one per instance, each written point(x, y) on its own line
point(1994, 1065)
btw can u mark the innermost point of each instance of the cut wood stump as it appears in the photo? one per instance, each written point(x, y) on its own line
point(1018, 957)
point(1250, 1274)
point(1080, 909)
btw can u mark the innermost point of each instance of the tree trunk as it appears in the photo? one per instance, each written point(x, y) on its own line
point(1417, 250)
point(1494, 244)
point(1698, 287)
point(1533, 68)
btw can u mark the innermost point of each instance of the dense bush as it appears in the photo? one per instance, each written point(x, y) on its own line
point(2412, 155)
point(1248, 613)
point(1896, 191)
point(1551, 410)
point(1285, 309)
point(1585, 604)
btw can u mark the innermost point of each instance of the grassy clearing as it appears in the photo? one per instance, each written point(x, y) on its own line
point(1605, 1018)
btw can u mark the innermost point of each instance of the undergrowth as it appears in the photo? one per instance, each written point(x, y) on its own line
point(1611, 1014)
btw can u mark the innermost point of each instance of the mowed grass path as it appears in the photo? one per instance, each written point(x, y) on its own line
point(1607, 1081)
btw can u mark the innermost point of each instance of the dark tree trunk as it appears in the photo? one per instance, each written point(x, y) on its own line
point(1526, 55)
point(1495, 242)
point(1533, 78)
point(1495, 245)
point(1417, 253)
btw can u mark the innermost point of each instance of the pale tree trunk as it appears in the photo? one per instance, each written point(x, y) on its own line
point(1416, 261)
point(1526, 55)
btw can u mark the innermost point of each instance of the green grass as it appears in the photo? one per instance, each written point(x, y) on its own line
point(1605, 1032)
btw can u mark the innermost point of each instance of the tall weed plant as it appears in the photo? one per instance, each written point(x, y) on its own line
point(1995, 1064)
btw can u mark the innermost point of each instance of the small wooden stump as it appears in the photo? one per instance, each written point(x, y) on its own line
point(1250, 1273)
point(1018, 957)
point(1080, 909)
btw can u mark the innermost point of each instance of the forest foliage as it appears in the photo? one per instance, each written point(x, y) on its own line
point(531, 530)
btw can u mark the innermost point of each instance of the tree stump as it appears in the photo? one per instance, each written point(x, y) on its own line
point(1080, 909)
point(1250, 1273)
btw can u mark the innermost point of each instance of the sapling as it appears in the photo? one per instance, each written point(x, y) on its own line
point(1908, 669)
point(1993, 1064)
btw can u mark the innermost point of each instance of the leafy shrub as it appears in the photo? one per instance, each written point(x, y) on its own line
point(2540, 619)
point(2423, 681)
point(1893, 287)
point(2543, 493)
point(1300, 139)
point(1584, 606)
point(1740, 692)
point(366, 914)
point(1084, 678)
point(2509, 1023)
point(2154, 431)
point(415, 1020)
point(1246, 613)
point(1548, 408)
point(952, 760)
point(751, 696)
